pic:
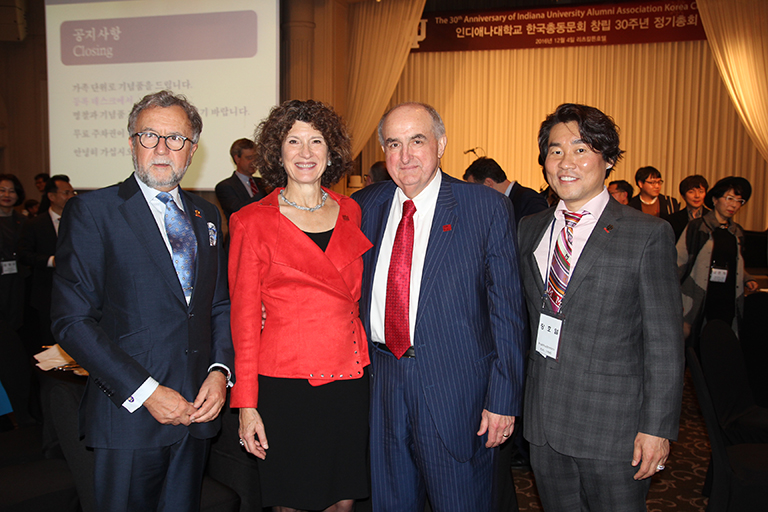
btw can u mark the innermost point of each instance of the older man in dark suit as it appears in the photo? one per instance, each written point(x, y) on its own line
point(141, 302)
point(605, 373)
point(442, 307)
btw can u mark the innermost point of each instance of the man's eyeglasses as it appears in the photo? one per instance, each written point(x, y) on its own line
point(654, 182)
point(150, 140)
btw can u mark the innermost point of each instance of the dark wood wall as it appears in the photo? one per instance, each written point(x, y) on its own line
point(24, 101)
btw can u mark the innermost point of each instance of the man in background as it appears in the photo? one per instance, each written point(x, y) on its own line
point(650, 200)
point(141, 302)
point(378, 172)
point(242, 188)
point(525, 201)
point(40, 181)
point(621, 191)
point(37, 249)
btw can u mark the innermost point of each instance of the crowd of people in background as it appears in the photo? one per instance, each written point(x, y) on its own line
point(375, 345)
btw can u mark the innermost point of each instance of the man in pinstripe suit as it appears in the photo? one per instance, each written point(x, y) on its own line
point(439, 411)
point(605, 371)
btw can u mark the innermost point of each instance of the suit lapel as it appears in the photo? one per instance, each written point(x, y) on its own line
point(539, 230)
point(139, 218)
point(346, 245)
point(374, 222)
point(594, 248)
point(200, 226)
point(239, 188)
point(440, 236)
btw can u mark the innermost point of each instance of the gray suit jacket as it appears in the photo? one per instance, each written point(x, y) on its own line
point(620, 365)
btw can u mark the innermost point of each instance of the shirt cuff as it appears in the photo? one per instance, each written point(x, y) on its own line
point(223, 366)
point(139, 396)
point(50, 261)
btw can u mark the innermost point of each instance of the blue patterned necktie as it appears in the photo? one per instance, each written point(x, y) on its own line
point(183, 242)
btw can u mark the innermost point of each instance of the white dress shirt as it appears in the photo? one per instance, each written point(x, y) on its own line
point(592, 210)
point(422, 225)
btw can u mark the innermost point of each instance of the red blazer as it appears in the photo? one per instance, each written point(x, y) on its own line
point(313, 330)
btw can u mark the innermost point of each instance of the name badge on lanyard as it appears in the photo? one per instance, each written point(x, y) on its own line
point(9, 267)
point(718, 275)
point(550, 323)
point(548, 335)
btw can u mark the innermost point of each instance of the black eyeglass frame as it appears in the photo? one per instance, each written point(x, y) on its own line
point(141, 135)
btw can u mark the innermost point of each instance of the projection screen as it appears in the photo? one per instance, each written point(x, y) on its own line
point(103, 56)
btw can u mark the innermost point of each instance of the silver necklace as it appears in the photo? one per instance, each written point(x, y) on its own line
point(304, 208)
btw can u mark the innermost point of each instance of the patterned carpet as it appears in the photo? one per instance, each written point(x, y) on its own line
point(677, 488)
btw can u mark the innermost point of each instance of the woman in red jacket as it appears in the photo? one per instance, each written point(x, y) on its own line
point(302, 387)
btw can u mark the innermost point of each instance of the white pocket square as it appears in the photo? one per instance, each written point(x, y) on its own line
point(211, 234)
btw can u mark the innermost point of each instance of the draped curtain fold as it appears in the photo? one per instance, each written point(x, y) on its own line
point(737, 34)
point(380, 40)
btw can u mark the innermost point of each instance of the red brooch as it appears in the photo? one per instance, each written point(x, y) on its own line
point(447, 227)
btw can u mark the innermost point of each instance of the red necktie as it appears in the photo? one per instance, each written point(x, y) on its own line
point(254, 188)
point(397, 332)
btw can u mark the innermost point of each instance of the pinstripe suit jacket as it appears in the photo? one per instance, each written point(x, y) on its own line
point(470, 332)
point(620, 365)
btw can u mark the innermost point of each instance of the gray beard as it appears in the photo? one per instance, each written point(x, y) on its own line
point(146, 177)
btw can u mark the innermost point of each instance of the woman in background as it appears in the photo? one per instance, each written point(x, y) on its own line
point(14, 363)
point(710, 259)
point(302, 387)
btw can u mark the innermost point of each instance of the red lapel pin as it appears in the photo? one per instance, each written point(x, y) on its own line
point(198, 214)
point(447, 227)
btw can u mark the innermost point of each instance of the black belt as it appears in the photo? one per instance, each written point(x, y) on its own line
point(410, 353)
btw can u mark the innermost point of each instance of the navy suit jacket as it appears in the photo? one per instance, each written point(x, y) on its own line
point(36, 245)
point(120, 312)
point(232, 194)
point(526, 201)
point(470, 334)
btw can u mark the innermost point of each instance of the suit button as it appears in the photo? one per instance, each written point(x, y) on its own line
point(191, 315)
point(322, 375)
point(311, 374)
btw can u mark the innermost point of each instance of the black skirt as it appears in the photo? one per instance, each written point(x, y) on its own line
point(318, 442)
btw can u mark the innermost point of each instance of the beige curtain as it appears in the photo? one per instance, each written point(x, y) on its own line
point(667, 98)
point(738, 35)
point(380, 40)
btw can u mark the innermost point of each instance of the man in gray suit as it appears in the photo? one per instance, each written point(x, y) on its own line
point(605, 374)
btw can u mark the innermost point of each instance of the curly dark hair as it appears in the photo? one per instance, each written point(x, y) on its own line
point(596, 128)
point(271, 133)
